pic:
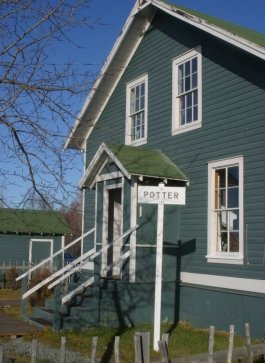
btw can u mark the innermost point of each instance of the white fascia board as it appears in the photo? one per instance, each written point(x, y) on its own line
point(105, 69)
point(224, 282)
point(214, 30)
point(94, 163)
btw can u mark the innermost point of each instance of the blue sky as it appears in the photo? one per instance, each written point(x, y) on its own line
point(108, 18)
point(97, 42)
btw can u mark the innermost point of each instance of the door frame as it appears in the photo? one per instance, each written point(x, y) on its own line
point(40, 240)
point(107, 187)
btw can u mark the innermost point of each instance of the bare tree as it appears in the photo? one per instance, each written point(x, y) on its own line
point(73, 217)
point(36, 105)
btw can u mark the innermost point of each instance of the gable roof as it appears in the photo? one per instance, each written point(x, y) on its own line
point(35, 222)
point(132, 33)
point(132, 160)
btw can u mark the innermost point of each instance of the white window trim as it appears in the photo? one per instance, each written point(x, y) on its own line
point(176, 127)
point(212, 255)
point(130, 85)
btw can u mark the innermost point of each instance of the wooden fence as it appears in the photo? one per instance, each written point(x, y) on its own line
point(142, 350)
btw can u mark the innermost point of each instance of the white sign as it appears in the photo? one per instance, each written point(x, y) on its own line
point(161, 195)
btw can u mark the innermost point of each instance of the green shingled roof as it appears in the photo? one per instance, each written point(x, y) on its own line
point(23, 221)
point(146, 162)
point(248, 34)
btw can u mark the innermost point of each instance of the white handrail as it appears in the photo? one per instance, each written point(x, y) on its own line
point(55, 254)
point(117, 261)
point(57, 273)
point(91, 254)
point(78, 289)
point(114, 241)
point(91, 258)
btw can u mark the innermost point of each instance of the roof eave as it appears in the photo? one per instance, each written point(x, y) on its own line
point(110, 74)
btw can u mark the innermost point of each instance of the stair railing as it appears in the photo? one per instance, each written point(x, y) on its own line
point(90, 281)
point(58, 273)
point(50, 258)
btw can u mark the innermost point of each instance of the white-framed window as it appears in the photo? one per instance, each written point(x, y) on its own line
point(136, 111)
point(187, 91)
point(225, 211)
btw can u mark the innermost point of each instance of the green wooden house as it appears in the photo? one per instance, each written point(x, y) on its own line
point(180, 103)
point(29, 236)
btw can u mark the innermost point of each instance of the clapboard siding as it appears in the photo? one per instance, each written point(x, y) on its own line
point(233, 109)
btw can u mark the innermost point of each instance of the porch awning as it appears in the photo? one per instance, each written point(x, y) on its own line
point(131, 160)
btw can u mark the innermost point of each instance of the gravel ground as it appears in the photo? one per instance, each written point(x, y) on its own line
point(21, 347)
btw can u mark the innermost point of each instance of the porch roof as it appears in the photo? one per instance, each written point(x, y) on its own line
point(131, 160)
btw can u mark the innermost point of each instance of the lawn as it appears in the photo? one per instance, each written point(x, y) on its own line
point(184, 339)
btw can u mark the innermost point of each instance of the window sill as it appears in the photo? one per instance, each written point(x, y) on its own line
point(230, 259)
point(186, 128)
point(136, 143)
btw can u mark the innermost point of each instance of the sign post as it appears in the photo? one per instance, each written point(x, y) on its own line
point(160, 195)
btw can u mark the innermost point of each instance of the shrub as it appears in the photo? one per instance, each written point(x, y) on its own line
point(39, 297)
point(11, 276)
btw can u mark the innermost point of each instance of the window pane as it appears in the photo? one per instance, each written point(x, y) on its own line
point(182, 102)
point(221, 183)
point(234, 220)
point(182, 117)
point(195, 113)
point(194, 65)
point(187, 84)
point(224, 242)
point(132, 109)
point(233, 197)
point(142, 102)
point(189, 100)
point(187, 68)
point(189, 115)
point(222, 199)
point(233, 176)
point(195, 97)
point(194, 81)
point(234, 241)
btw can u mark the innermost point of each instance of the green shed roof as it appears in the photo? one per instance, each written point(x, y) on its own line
point(248, 34)
point(146, 162)
point(37, 222)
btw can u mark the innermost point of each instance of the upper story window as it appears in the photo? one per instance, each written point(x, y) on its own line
point(225, 211)
point(136, 111)
point(186, 105)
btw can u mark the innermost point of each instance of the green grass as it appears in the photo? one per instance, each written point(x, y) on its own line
point(184, 339)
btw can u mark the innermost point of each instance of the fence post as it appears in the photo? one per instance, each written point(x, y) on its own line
point(211, 344)
point(231, 343)
point(248, 343)
point(63, 350)
point(144, 345)
point(1, 353)
point(138, 348)
point(162, 345)
point(94, 349)
point(24, 287)
point(165, 338)
point(34, 348)
point(116, 349)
